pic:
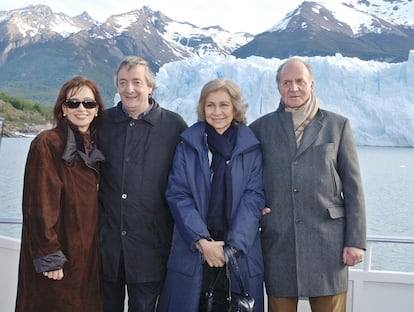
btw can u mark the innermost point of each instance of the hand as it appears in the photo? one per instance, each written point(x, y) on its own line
point(56, 275)
point(212, 252)
point(352, 255)
point(266, 210)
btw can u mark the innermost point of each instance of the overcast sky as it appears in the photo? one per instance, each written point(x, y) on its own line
point(253, 16)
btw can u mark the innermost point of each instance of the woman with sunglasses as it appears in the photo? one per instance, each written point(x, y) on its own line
point(59, 257)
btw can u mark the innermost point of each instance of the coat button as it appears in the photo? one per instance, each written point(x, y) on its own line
point(131, 124)
point(124, 196)
point(295, 190)
point(123, 233)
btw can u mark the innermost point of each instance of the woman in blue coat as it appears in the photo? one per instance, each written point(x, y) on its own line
point(215, 194)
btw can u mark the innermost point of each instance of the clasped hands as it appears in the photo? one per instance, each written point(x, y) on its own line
point(212, 251)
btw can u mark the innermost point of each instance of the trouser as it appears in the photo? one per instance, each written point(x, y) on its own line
point(334, 303)
point(142, 297)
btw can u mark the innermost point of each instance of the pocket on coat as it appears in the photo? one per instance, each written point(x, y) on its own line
point(182, 259)
point(336, 212)
point(325, 149)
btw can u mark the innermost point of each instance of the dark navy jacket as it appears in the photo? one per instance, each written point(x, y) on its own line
point(134, 215)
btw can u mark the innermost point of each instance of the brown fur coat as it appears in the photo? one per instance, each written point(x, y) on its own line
point(60, 227)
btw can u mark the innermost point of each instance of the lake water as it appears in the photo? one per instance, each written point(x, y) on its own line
point(387, 174)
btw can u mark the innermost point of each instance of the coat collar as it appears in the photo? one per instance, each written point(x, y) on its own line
point(71, 151)
point(117, 114)
point(310, 134)
point(195, 136)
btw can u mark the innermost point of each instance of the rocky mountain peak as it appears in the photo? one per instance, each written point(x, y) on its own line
point(37, 43)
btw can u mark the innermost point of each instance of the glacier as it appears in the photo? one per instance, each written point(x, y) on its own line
point(377, 97)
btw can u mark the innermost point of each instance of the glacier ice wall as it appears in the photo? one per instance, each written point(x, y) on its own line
point(377, 97)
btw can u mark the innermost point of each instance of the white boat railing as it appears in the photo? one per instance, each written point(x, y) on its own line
point(369, 290)
point(378, 290)
point(9, 262)
point(382, 239)
point(10, 221)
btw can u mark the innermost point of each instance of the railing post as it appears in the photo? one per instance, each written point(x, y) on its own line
point(368, 257)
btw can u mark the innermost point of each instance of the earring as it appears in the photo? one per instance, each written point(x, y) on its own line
point(64, 115)
point(96, 115)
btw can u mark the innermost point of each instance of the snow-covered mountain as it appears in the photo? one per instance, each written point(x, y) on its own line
point(377, 29)
point(399, 12)
point(40, 49)
point(177, 40)
point(38, 21)
point(375, 16)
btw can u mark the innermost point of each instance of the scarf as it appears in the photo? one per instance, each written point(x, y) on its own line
point(220, 201)
point(83, 141)
point(302, 116)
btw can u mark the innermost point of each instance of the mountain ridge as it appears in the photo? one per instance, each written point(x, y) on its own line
point(325, 28)
point(40, 49)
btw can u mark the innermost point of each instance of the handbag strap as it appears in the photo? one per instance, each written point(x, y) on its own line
point(215, 280)
point(230, 258)
point(213, 283)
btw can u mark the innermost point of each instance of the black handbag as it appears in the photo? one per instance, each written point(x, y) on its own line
point(216, 300)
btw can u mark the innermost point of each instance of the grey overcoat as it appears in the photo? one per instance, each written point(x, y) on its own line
point(315, 193)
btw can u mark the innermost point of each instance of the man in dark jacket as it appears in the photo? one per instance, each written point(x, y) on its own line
point(316, 228)
point(138, 138)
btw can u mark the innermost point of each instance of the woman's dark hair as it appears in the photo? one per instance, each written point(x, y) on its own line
point(66, 91)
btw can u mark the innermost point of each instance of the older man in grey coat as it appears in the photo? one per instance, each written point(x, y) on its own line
point(315, 227)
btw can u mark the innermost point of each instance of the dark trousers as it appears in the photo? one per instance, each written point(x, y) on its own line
point(142, 297)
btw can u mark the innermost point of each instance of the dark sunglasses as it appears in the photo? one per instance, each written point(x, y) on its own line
point(88, 104)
